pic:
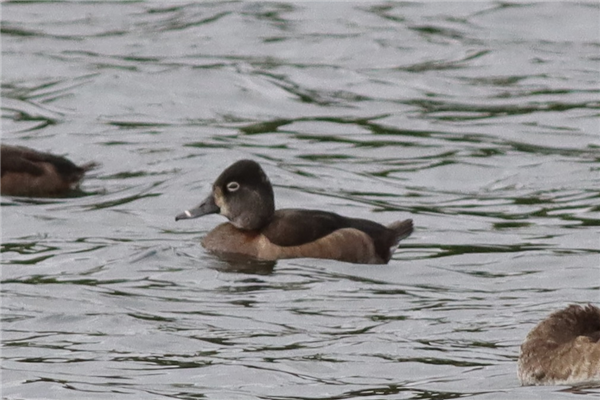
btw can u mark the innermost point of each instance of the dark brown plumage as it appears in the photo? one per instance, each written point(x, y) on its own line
point(27, 172)
point(244, 195)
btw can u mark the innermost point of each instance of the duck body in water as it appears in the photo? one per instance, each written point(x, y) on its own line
point(244, 195)
point(27, 172)
point(563, 349)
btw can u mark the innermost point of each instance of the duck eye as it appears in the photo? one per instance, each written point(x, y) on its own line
point(233, 186)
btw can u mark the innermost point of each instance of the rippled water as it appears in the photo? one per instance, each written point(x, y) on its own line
point(478, 120)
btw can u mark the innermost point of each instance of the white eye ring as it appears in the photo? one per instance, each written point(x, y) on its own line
point(233, 186)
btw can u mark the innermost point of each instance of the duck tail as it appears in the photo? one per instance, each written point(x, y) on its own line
point(75, 174)
point(89, 166)
point(401, 229)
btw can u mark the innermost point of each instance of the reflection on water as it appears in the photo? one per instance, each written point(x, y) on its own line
point(477, 120)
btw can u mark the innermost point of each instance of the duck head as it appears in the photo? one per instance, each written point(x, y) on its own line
point(242, 193)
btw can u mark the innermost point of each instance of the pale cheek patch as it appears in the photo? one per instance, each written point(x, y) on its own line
point(218, 194)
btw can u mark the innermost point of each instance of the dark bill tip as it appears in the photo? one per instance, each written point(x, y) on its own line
point(184, 215)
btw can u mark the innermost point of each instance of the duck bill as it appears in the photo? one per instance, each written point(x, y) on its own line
point(208, 206)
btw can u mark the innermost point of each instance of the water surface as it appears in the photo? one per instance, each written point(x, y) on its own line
point(479, 120)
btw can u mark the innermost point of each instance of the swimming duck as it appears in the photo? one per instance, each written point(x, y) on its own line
point(563, 349)
point(244, 195)
point(27, 172)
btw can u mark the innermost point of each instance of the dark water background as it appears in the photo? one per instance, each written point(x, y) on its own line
point(479, 120)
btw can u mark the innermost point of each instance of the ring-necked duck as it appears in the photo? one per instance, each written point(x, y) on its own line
point(563, 349)
point(27, 172)
point(244, 195)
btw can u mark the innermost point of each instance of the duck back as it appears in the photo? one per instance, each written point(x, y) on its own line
point(27, 172)
point(562, 349)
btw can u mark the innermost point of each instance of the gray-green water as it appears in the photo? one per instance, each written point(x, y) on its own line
point(479, 120)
